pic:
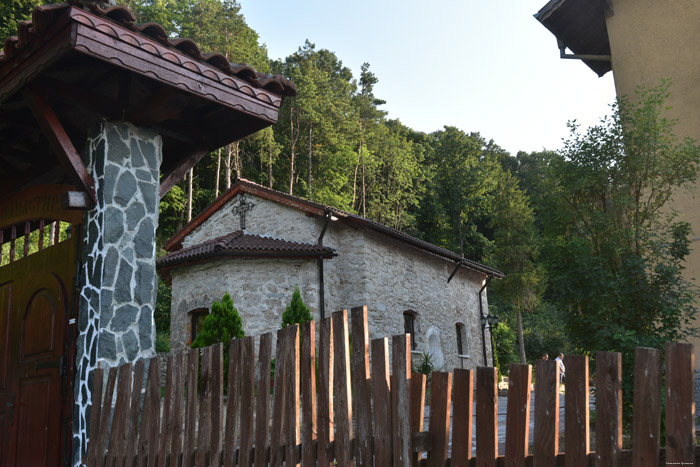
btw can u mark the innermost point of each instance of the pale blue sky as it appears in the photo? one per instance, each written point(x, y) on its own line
point(485, 66)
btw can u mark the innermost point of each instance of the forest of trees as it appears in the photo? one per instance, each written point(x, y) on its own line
point(592, 259)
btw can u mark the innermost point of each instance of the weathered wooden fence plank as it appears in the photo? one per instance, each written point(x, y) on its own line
point(381, 391)
point(216, 373)
point(293, 426)
point(133, 421)
point(401, 399)
point(308, 392)
point(150, 417)
point(546, 440)
point(417, 410)
point(518, 414)
point(167, 427)
point(361, 386)
point(204, 426)
point(96, 426)
point(487, 416)
point(343, 395)
point(608, 409)
point(262, 403)
point(192, 371)
point(117, 440)
point(325, 392)
point(278, 409)
point(439, 428)
point(576, 410)
point(233, 403)
point(646, 419)
point(247, 399)
point(680, 404)
point(462, 405)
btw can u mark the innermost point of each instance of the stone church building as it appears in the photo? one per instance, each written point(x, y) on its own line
point(258, 244)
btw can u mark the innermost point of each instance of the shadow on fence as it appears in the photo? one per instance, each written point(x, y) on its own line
point(319, 415)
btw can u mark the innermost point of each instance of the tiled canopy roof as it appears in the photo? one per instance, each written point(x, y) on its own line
point(241, 245)
point(317, 209)
point(45, 16)
point(73, 67)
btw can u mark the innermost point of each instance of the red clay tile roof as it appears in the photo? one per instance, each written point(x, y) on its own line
point(317, 209)
point(240, 245)
point(45, 17)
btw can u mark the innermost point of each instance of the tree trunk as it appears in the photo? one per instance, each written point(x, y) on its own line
point(189, 195)
point(364, 193)
point(218, 172)
point(269, 167)
point(310, 178)
point(292, 149)
point(354, 178)
point(521, 340)
point(227, 167)
point(236, 159)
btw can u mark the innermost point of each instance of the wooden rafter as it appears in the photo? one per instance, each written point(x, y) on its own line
point(84, 98)
point(59, 140)
point(179, 172)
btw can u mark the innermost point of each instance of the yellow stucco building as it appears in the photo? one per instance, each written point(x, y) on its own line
point(641, 42)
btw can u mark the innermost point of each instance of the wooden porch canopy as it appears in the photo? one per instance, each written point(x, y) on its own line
point(71, 67)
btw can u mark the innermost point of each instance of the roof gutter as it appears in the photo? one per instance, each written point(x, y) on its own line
point(563, 54)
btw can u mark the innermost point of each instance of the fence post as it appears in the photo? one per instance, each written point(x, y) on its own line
point(360, 386)
point(325, 392)
point(546, 413)
point(150, 418)
point(167, 424)
point(293, 431)
point(486, 416)
point(262, 410)
point(417, 409)
point(233, 404)
point(381, 391)
point(192, 357)
point(278, 409)
point(518, 415)
point(204, 424)
point(247, 378)
point(440, 401)
point(647, 407)
point(133, 424)
point(308, 392)
point(576, 411)
point(343, 396)
point(680, 404)
point(608, 409)
point(400, 399)
point(117, 441)
point(463, 399)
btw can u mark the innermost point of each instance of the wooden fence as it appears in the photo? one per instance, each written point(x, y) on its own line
point(334, 408)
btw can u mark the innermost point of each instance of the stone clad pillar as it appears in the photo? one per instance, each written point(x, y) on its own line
point(118, 277)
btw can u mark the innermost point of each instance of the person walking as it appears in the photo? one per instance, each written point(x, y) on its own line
point(562, 368)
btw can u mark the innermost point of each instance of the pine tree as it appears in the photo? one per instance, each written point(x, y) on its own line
point(297, 312)
point(222, 324)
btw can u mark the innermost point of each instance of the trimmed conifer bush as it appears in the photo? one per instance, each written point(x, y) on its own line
point(297, 312)
point(222, 324)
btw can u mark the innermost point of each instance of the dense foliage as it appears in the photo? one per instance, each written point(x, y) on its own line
point(593, 254)
point(222, 324)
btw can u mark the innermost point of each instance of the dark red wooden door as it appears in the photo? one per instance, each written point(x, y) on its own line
point(37, 319)
point(38, 301)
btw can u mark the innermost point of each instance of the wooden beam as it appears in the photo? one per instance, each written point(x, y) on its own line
point(179, 172)
point(59, 140)
point(84, 98)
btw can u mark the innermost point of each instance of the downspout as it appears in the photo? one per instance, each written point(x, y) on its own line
point(321, 284)
point(481, 314)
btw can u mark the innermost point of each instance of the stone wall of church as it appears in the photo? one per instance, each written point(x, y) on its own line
point(371, 269)
point(260, 290)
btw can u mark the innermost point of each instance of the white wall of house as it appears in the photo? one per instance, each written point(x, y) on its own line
point(388, 276)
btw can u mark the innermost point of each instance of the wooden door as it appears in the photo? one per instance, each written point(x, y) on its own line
point(37, 307)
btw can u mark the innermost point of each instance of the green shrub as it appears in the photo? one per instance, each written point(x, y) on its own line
point(297, 312)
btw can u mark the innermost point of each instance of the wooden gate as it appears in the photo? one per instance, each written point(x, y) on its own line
point(39, 247)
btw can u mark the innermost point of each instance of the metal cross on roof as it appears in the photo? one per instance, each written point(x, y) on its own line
point(242, 207)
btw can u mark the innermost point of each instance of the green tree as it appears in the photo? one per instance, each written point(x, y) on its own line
point(296, 312)
point(222, 324)
point(615, 249)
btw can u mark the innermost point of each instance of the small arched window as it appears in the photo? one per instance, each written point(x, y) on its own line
point(409, 326)
point(461, 335)
point(197, 318)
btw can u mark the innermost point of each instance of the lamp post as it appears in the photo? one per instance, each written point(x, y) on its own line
point(488, 322)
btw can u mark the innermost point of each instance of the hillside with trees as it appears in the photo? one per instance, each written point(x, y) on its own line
point(592, 255)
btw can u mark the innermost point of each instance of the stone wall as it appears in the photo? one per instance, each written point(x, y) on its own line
point(371, 269)
point(117, 281)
